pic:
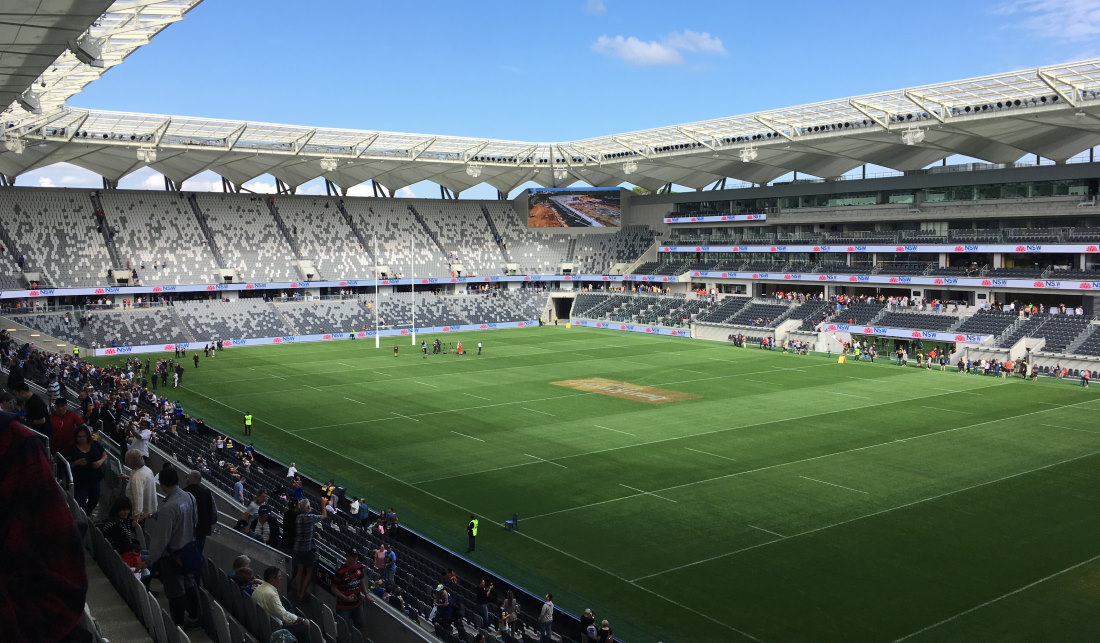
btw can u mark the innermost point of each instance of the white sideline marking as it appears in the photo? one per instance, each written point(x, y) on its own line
point(607, 428)
point(767, 531)
point(522, 535)
point(350, 399)
point(546, 461)
point(478, 397)
point(313, 387)
point(719, 359)
point(712, 454)
point(467, 436)
point(404, 416)
point(937, 408)
point(952, 390)
point(999, 598)
point(537, 411)
point(831, 484)
point(850, 394)
point(762, 382)
point(343, 364)
point(381, 373)
point(870, 515)
point(1051, 404)
point(1070, 428)
point(688, 370)
point(648, 493)
point(424, 384)
point(628, 361)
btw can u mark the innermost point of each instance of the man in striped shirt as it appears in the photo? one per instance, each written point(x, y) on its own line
point(350, 593)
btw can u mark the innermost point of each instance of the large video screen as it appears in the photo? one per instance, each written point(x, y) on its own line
point(573, 208)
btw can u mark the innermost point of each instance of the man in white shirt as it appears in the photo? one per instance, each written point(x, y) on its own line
point(292, 471)
point(267, 597)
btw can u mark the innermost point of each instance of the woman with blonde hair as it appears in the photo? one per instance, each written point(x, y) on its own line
point(141, 489)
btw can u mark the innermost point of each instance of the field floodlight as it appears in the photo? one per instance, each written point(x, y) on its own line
point(630, 167)
point(88, 50)
point(473, 170)
point(147, 154)
point(14, 144)
point(30, 101)
point(912, 135)
point(748, 154)
point(328, 164)
point(560, 174)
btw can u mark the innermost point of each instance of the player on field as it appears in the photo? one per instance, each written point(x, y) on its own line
point(395, 350)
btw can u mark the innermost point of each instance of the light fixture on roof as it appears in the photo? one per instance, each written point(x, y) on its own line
point(147, 154)
point(630, 167)
point(747, 154)
point(328, 164)
point(14, 144)
point(30, 101)
point(474, 170)
point(560, 174)
point(912, 135)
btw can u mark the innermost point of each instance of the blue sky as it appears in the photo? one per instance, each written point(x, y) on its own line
point(547, 70)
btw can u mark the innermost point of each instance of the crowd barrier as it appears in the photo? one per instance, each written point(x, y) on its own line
point(301, 339)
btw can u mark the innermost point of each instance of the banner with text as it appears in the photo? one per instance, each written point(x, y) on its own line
point(717, 218)
point(1011, 248)
point(633, 328)
point(901, 333)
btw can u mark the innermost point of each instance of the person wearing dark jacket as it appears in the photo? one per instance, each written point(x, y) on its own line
point(208, 508)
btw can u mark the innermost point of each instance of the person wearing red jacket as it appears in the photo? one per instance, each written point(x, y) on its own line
point(43, 582)
point(64, 422)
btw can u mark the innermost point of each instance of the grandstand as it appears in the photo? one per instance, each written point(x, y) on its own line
point(978, 240)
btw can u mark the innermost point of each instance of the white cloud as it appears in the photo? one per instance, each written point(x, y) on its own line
point(667, 51)
point(365, 189)
point(636, 52)
point(61, 175)
point(693, 41)
point(595, 7)
point(1073, 20)
point(261, 187)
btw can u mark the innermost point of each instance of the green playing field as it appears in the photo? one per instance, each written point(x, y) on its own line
point(787, 498)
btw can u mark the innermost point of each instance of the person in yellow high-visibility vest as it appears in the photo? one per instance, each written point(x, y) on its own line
point(471, 529)
point(248, 424)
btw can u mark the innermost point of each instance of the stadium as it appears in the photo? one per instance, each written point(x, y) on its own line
point(815, 373)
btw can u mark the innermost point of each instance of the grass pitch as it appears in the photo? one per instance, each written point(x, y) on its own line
point(795, 499)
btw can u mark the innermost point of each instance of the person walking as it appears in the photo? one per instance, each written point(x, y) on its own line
point(172, 547)
point(471, 531)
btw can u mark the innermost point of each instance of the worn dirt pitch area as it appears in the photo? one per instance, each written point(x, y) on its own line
point(626, 391)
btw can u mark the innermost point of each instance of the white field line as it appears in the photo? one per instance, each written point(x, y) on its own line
point(648, 493)
point(940, 408)
point(716, 431)
point(833, 484)
point(784, 464)
point(526, 535)
point(351, 399)
point(538, 399)
point(607, 428)
point(313, 387)
point(1070, 428)
point(767, 531)
point(404, 416)
point(870, 515)
point(424, 384)
point(711, 454)
point(997, 599)
point(478, 397)
point(866, 397)
point(537, 411)
point(381, 373)
point(546, 461)
point(467, 436)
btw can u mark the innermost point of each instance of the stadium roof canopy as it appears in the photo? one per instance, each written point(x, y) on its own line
point(1053, 112)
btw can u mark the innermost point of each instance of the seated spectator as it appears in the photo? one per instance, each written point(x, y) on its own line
point(120, 529)
point(247, 580)
point(264, 528)
point(266, 595)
